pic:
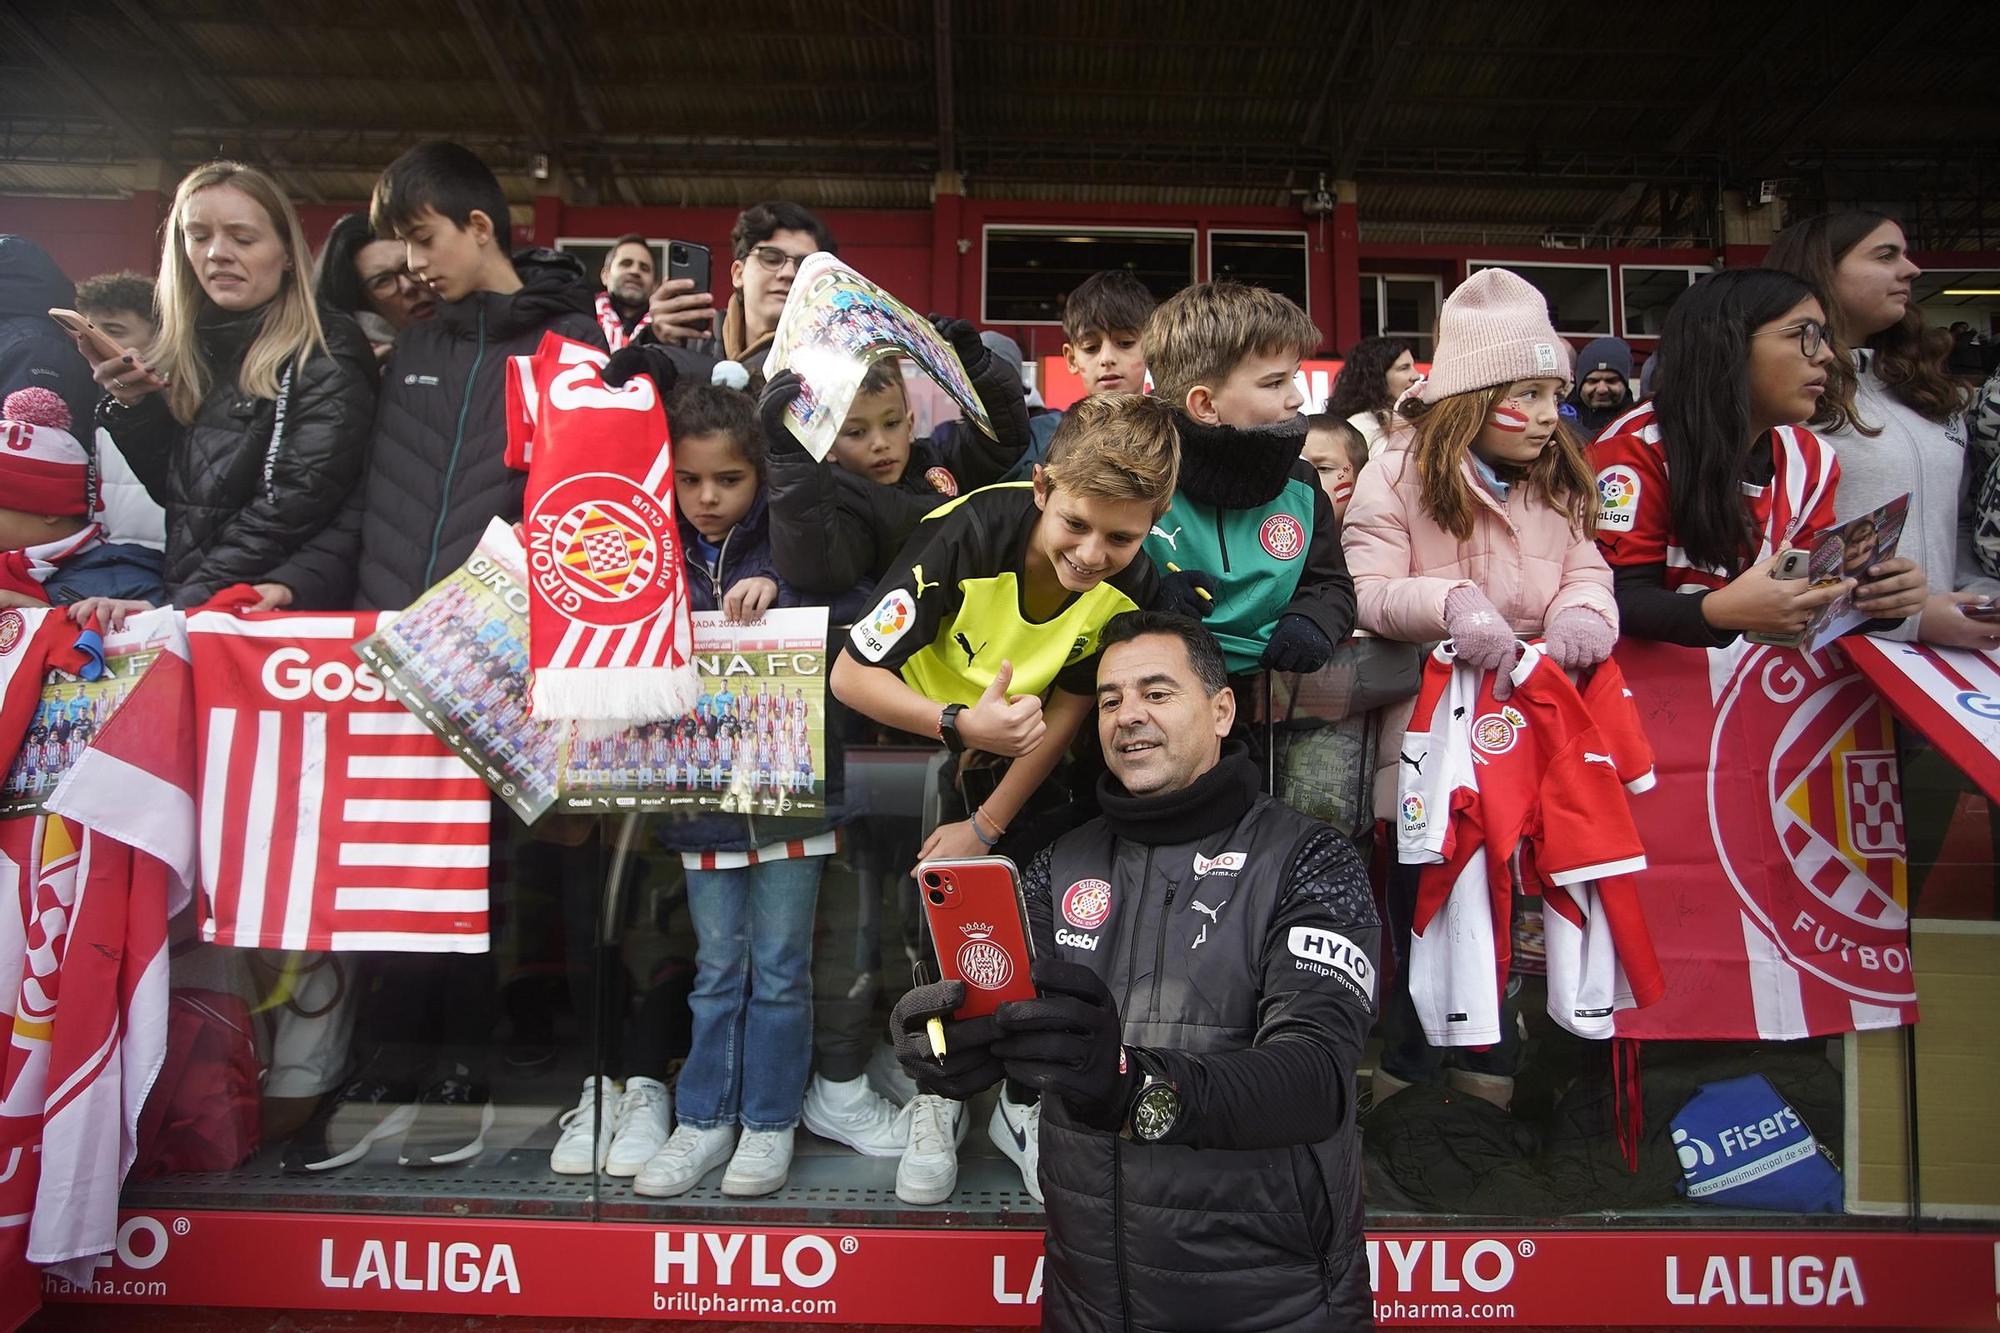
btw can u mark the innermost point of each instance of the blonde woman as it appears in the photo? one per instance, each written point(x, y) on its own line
point(248, 417)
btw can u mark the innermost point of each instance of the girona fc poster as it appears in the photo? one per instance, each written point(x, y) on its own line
point(330, 818)
point(1776, 889)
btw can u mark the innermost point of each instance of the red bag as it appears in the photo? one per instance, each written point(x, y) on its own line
point(204, 1112)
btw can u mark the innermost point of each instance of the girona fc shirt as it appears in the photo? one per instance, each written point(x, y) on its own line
point(1635, 517)
point(1530, 773)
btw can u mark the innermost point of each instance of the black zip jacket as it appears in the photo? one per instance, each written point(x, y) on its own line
point(437, 471)
point(237, 511)
point(832, 530)
point(35, 352)
point(1240, 943)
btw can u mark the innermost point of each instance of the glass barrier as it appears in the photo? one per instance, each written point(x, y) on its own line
point(543, 1079)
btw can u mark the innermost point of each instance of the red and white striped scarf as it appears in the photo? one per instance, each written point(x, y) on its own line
point(613, 323)
point(26, 569)
point(609, 635)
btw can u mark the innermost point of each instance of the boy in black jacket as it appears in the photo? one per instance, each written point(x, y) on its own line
point(840, 522)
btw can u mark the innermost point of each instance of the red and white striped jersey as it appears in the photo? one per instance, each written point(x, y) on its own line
point(1635, 519)
point(1482, 779)
point(330, 817)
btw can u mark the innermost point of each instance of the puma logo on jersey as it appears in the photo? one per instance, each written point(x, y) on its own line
point(965, 646)
point(1172, 539)
point(1417, 763)
point(1603, 759)
point(917, 572)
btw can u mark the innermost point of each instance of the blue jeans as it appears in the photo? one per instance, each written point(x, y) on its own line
point(752, 998)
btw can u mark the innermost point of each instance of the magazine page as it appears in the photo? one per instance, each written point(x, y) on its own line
point(1846, 552)
point(835, 325)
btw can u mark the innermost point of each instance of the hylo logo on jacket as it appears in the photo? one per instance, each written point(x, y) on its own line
point(1328, 953)
point(1222, 863)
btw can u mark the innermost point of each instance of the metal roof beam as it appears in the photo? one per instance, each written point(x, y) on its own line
point(148, 142)
point(188, 63)
point(1388, 69)
point(947, 132)
point(503, 73)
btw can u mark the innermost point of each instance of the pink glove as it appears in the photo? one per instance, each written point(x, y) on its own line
point(1577, 638)
point(1480, 636)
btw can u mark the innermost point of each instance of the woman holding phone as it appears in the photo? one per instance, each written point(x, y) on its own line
point(248, 418)
point(1702, 490)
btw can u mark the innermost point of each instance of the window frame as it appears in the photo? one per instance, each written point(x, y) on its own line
point(986, 230)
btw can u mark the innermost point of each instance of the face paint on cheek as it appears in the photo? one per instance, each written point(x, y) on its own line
point(1509, 418)
point(1343, 491)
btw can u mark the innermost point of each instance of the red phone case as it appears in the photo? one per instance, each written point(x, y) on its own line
point(980, 929)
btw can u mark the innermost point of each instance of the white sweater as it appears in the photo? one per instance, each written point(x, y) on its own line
point(126, 510)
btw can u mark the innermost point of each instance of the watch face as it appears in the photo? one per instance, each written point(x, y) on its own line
point(1154, 1113)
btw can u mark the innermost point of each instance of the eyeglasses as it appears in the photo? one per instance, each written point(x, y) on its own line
point(1812, 336)
point(774, 260)
point(383, 285)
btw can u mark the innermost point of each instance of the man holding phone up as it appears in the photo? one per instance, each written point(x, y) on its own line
point(1206, 969)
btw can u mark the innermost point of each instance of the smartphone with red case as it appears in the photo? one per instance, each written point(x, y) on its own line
point(980, 929)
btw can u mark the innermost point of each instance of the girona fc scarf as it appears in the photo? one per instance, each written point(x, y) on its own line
point(1776, 891)
point(608, 630)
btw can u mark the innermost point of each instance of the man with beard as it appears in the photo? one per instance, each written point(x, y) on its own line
point(1603, 389)
point(1205, 977)
point(627, 276)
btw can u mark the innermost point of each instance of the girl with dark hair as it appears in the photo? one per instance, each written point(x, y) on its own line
point(1373, 375)
point(1700, 490)
point(1904, 428)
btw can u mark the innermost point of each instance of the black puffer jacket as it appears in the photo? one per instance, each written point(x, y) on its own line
point(236, 510)
point(1239, 939)
point(437, 470)
point(34, 351)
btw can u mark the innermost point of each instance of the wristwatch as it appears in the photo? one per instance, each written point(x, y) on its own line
point(948, 728)
point(1155, 1111)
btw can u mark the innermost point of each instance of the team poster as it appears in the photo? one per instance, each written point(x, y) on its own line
point(754, 743)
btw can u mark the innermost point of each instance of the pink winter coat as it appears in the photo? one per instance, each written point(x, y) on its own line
point(1524, 556)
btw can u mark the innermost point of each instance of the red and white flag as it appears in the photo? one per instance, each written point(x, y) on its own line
point(1776, 890)
point(1951, 695)
point(330, 817)
point(608, 631)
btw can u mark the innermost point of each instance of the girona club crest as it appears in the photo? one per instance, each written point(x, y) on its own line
point(982, 964)
point(605, 542)
point(1831, 801)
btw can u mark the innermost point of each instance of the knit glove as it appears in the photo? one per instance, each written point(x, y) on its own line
point(1479, 634)
point(1577, 638)
point(964, 340)
point(1066, 1042)
point(1297, 644)
point(779, 391)
point(1186, 592)
point(969, 1066)
point(642, 359)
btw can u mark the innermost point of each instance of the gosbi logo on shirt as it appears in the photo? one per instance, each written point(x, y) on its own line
point(1617, 498)
point(614, 558)
point(982, 964)
point(1496, 733)
point(1283, 537)
point(1086, 904)
point(878, 632)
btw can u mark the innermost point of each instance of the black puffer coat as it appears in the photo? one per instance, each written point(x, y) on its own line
point(236, 510)
point(34, 350)
point(437, 469)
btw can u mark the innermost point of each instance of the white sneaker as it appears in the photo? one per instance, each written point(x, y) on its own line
point(886, 1076)
point(854, 1114)
point(1016, 1130)
point(762, 1160)
point(928, 1172)
point(689, 1155)
point(642, 1126)
point(573, 1155)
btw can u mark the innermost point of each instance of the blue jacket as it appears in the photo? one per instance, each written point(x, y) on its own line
point(745, 553)
point(112, 569)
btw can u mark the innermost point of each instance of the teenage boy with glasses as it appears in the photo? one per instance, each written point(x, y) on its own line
point(770, 241)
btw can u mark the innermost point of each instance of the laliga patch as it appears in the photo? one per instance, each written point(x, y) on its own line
point(1413, 813)
point(877, 632)
point(1617, 498)
point(1222, 863)
point(1496, 733)
point(1087, 903)
point(1328, 953)
point(1283, 537)
point(941, 481)
point(1506, 417)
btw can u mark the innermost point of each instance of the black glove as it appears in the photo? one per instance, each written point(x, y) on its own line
point(964, 340)
point(779, 391)
point(1297, 644)
point(1066, 1042)
point(969, 1066)
point(1186, 592)
point(642, 359)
